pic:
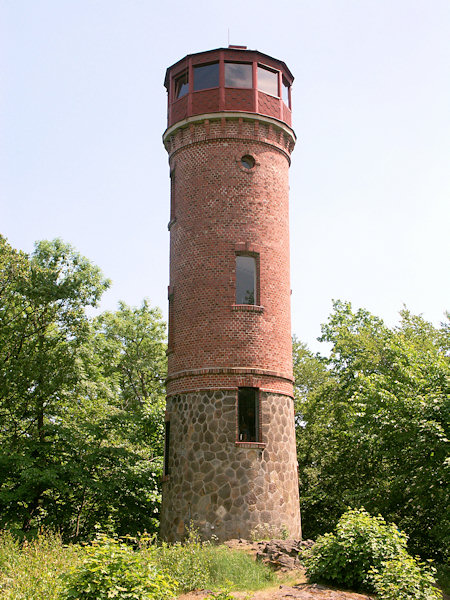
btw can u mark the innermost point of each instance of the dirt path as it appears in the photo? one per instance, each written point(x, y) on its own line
point(297, 589)
point(301, 591)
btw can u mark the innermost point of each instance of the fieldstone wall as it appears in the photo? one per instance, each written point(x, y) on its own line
point(227, 488)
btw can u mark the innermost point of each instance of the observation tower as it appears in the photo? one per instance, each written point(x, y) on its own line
point(230, 454)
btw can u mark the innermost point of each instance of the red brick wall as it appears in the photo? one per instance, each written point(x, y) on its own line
point(221, 208)
point(239, 98)
point(179, 109)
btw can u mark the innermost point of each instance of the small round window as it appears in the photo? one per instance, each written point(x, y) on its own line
point(247, 161)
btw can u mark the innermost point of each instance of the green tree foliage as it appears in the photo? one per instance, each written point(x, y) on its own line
point(78, 447)
point(374, 428)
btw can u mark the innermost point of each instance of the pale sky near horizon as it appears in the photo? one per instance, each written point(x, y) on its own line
point(83, 109)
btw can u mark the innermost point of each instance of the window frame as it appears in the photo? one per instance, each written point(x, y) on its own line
point(199, 66)
point(286, 86)
point(166, 448)
point(270, 70)
point(256, 291)
point(257, 410)
point(172, 195)
point(236, 87)
point(177, 88)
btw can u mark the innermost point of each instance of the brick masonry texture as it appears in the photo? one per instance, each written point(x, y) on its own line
point(219, 209)
point(229, 489)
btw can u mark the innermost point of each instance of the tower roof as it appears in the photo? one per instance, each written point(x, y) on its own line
point(232, 51)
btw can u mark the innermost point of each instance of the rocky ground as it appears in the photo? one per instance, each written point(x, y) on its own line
point(282, 555)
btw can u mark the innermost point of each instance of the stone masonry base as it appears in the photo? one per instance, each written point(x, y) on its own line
point(229, 489)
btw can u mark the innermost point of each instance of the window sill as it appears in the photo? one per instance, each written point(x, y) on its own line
point(261, 445)
point(247, 308)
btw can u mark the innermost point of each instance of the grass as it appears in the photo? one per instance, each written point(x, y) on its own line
point(238, 569)
point(32, 570)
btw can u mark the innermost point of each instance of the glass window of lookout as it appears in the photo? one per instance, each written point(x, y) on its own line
point(238, 75)
point(268, 80)
point(181, 85)
point(232, 74)
point(245, 279)
point(206, 76)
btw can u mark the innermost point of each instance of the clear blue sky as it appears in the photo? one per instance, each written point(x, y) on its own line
point(83, 108)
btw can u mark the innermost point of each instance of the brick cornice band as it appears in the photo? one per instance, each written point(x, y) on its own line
point(244, 127)
point(228, 371)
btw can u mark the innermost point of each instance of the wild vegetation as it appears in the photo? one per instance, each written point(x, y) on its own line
point(365, 553)
point(81, 399)
point(137, 568)
point(373, 426)
point(81, 420)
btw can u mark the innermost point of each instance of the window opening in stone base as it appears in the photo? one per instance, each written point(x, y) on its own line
point(248, 415)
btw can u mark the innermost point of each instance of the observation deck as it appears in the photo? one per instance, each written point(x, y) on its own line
point(231, 79)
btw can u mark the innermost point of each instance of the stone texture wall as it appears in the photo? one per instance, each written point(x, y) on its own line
point(229, 488)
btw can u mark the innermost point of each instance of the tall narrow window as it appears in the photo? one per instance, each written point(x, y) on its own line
point(167, 448)
point(172, 195)
point(206, 76)
point(246, 280)
point(248, 415)
point(171, 323)
point(268, 81)
point(285, 92)
point(181, 85)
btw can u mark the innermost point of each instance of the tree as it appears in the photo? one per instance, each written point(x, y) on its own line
point(43, 326)
point(81, 399)
point(129, 354)
point(375, 431)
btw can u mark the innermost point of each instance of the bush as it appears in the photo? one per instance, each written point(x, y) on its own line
point(404, 578)
point(112, 569)
point(367, 553)
point(360, 542)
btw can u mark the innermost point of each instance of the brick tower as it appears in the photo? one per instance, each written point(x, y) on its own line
point(230, 454)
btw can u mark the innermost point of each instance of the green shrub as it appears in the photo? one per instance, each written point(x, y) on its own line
point(360, 542)
point(367, 553)
point(404, 578)
point(112, 569)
